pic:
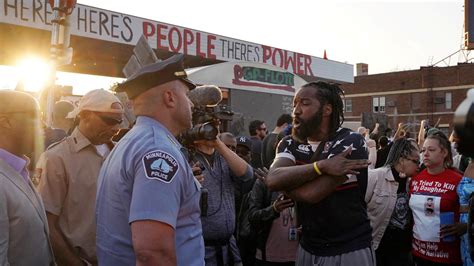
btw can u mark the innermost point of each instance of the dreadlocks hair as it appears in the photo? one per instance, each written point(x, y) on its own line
point(330, 93)
point(444, 144)
point(401, 148)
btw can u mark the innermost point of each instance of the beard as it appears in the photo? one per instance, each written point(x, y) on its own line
point(302, 129)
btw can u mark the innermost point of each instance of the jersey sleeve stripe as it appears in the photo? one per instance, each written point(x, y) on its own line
point(285, 155)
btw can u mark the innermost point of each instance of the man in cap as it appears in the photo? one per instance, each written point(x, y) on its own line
point(245, 242)
point(68, 173)
point(244, 148)
point(23, 225)
point(148, 199)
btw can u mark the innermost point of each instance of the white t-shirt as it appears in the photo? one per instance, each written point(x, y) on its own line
point(102, 149)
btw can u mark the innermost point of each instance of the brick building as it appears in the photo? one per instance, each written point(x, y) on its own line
point(431, 93)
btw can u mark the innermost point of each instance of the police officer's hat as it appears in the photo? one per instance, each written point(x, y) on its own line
point(155, 74)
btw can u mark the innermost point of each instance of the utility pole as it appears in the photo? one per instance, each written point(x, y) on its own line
point(61, 53)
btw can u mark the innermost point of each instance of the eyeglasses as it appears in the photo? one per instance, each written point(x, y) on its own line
point(109, 120)
point(415, 161)
point(263, 128)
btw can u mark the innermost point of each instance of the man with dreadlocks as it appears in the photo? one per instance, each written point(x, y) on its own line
point(323, 168)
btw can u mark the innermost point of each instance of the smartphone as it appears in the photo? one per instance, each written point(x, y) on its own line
point(292, 233)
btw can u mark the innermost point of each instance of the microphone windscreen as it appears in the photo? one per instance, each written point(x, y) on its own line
point(206, 95)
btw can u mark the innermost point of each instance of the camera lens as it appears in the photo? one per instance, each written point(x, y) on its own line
point(206, 131)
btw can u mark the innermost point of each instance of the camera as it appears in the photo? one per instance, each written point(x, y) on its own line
point(206, 121)
point(208, 114)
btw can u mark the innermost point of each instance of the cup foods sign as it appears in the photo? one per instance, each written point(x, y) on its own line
point(262, 77)
point(111, 26)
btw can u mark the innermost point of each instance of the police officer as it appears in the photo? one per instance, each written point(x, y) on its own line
point(147, 198)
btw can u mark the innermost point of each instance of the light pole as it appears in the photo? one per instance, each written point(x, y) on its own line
point(61, 53)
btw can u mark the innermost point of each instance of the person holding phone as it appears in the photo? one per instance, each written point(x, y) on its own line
point(272, 214)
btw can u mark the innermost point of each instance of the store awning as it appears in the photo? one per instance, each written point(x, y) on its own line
point(247, 76)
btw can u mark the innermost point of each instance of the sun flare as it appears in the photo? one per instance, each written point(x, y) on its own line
point(33, 73)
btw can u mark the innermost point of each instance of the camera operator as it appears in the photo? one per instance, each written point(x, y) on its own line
point(223, 172)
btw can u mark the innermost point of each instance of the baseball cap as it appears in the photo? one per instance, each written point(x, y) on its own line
point(98, 100)
point(154, 75)
point(244, 141)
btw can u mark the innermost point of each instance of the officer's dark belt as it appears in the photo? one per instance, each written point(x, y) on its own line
point(218, 244)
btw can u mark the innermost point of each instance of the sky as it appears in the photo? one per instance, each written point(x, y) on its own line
point(389, 35)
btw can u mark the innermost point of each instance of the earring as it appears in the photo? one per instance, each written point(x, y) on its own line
point(402, 174)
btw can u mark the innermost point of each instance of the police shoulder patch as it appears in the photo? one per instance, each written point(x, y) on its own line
point(160, 165)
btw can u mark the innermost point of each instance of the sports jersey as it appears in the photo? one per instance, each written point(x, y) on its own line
point(337, 224)
point(434, 202)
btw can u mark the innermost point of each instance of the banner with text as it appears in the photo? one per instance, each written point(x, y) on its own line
point(112, 26)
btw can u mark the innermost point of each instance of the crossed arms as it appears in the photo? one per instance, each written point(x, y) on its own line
point(302, 183)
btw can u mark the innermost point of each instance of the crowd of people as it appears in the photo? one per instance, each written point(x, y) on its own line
point(308, 193)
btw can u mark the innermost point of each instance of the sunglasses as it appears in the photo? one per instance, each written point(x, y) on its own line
point(109, 120)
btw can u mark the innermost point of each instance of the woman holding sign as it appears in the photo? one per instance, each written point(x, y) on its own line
point(435, 206)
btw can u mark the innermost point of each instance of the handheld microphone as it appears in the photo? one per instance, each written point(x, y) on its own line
point(206, 95)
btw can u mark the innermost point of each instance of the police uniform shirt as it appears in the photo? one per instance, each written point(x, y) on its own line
point(146, 177)
point(337, 224)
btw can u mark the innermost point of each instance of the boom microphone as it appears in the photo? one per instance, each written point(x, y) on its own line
point(206, 95)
